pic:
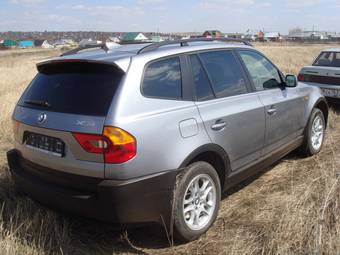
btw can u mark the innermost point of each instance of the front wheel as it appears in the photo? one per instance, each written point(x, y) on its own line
point(198, 195)
point(315, 133)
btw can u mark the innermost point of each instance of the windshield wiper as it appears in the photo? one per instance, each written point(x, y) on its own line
point(38, 103)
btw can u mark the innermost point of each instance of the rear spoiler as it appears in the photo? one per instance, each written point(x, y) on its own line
point(40, 65)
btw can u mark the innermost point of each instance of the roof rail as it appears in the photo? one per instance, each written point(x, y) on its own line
point(76, 50)
point(184, 42)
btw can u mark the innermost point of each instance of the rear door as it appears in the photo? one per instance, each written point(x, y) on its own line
point(62, 100)
point(233, 117)
point(284, 107)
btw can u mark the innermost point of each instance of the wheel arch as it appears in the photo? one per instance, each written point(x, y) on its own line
point(323, 106)
point(214, 155)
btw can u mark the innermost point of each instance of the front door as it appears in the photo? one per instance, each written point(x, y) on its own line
point(283, 106)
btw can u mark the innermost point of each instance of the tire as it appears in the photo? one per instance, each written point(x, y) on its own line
point(313, 145)
point(187, 226)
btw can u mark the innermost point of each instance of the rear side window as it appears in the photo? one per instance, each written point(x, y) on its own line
point(76, 88)
point(328, 59)
point(201, 81)
point(162, 79)
point(225, 73)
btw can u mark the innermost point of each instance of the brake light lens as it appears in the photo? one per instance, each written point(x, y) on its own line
point(16, 126)
point(116, 145)
point(91, 143)
point(301, 77)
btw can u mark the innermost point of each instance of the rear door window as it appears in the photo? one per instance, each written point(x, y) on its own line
point(75, 88)
point(225, 73)
point(201, 82)
point(162, 79)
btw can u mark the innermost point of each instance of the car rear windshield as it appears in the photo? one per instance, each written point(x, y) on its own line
point(328, 59)
point(76, 88)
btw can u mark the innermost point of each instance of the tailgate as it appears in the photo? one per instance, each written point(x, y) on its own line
point(320, 74)
point(63, 99)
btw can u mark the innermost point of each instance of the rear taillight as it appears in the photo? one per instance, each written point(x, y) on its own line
point(116, 145)
point(16, 126)
point(91, 143)
point(301, 77)
point(122, 145)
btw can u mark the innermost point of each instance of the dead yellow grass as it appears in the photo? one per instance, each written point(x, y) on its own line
point(290, 208)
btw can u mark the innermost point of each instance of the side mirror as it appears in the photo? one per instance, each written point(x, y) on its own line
point(290, 81)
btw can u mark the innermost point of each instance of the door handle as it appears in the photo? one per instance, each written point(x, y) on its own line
point(219, 125)
point(272, 111)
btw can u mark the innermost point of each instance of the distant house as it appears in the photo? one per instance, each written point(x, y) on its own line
point(64, 43)
point(156, 38)
point(26, 44)
point(114, 39)
point(38, 43)
point(88, 42)
point(260, 36)
point(234, 35)
point(252, 35)
point(7, 43)
point(59, 44)
point(297, 34)
point(47, 45)
point(134, 36)
point(2, 47)
point(272, 36)
point(213, 34)
point(70, 42)
point(43, 44)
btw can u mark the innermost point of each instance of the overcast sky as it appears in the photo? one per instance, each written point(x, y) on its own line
point(169, 16)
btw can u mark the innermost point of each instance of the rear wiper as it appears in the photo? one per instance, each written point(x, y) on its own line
point(38, 102)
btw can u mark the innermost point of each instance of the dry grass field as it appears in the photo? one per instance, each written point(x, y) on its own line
point(292, 207)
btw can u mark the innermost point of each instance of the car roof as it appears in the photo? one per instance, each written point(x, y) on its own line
point(332, 50)
point(120, 55)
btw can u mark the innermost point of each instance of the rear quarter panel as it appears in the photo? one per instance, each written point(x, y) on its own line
point(155, 123)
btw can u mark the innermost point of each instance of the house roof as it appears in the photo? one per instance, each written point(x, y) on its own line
point(38, 43)
point(9, 43)
point(26, 43)
point(130, 36)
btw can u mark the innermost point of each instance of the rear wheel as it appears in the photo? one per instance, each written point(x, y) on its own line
point(315, 133)
point(198, 196)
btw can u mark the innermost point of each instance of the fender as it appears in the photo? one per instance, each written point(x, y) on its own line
point(323, 100)
point(320, 100)
point(210, 148)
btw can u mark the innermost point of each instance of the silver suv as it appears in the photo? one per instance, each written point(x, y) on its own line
point(146, 133)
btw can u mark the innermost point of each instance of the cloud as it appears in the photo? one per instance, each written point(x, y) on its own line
point(114, 10)
point(150, 2)
point(79, 7)
point(301, 3)
point(25, 1)
point(225, 4)
point(107, 10)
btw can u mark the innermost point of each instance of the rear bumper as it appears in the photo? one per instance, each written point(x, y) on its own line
point(333, 100)
point(135, 201)
point(327, 86)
